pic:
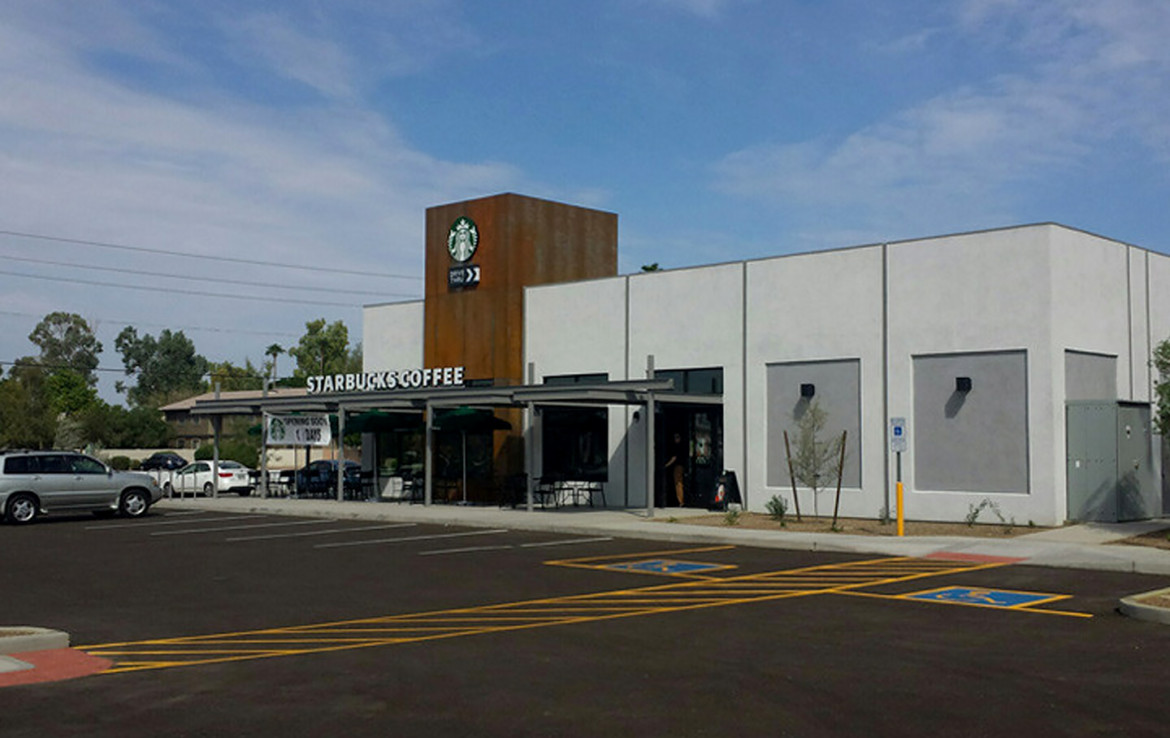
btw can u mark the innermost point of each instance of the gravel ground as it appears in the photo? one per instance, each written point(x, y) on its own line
point(1155, 539)
point(855, 526)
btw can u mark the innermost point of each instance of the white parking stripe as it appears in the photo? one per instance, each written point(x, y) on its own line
point(411, 538)
point(238, 527)
point(319, 532)
point(502, 548)
point(462, 550)
point(564, 543)
point(171, 522)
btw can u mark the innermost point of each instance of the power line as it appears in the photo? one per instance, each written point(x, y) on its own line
point(236, 260)
point(208, 329)
point(209, 374)
point(39, 365)
point(217, 279)
point(182, 292)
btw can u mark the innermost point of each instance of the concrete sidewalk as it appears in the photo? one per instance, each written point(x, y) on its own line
point(1078, 546)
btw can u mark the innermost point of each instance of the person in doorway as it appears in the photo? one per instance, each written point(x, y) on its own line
point(674, 466)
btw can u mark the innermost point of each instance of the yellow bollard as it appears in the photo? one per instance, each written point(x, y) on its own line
point(901, 518)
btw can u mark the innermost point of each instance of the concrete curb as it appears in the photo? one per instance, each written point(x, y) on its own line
point(1135, 608)
point(631, 524)
point(22, 638)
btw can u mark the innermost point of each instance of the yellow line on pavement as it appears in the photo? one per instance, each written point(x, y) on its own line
point(676, 596)
point(1025, 607)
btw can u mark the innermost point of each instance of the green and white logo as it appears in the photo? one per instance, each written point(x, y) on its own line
point(462, 239)
point(276, 431)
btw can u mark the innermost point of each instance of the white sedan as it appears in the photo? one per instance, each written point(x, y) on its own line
point(195, 478)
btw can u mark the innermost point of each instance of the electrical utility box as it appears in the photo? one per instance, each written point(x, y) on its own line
point(1110, 462)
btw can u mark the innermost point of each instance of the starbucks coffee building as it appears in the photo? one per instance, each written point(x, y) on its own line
point(1007, 368)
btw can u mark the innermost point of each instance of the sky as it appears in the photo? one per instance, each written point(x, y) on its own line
point(160, 159)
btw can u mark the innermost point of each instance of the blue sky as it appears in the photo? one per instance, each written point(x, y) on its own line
point(317, 133)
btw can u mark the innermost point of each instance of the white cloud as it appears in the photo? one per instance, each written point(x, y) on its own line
point(289, 51)
point(1092, 77)
point(86, 153)
point(701, 8)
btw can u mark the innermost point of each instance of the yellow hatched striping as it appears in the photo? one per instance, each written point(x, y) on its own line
point(676, 596)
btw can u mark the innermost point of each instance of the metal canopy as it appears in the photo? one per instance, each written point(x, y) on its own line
point(641, 392)
point(631, 392)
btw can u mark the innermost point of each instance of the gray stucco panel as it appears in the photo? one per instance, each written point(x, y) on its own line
point(838, 392)
point(976, 440)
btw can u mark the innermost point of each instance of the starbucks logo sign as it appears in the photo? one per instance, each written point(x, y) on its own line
point(276, 431)
point(462, 239)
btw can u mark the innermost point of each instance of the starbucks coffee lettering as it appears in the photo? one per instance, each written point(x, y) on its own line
point(448, 376)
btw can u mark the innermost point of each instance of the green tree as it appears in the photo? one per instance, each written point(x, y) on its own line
point(166, 369)
point(69, 393)
point(324, 349)
point(27, 419)
point(274, 350)
point(1161, 362)
point(353, 363)
point(232, 378)
point(114, 426)
point(66, 340)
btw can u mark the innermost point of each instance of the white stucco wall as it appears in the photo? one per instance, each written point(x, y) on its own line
point(978, 292)
point(690, 319)
point(392, 336)
point(817, 307)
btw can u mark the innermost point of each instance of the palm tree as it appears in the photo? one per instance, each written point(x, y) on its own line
point(274, 350)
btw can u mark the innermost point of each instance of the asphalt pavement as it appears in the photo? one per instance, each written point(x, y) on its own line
point(1088, 546)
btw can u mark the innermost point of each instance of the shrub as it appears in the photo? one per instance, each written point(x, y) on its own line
point(778, 508)
point(121, 463)
point(245, 453)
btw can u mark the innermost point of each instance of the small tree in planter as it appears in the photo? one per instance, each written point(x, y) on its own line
point(814, 460)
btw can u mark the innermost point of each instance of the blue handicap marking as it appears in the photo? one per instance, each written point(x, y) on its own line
point(665, 566)
point(979, 596)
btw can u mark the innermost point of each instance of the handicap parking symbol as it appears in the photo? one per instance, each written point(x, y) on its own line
point(984, 597)
point(664, 566)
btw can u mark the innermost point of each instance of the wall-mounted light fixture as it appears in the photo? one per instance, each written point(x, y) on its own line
point(808, 390)
point(962, 384)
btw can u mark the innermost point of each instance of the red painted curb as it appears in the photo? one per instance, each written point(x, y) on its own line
point(53, 665)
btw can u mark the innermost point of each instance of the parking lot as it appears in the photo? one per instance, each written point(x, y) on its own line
point(221, 623)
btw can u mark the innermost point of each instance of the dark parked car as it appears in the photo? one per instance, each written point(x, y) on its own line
point(319, 478)
point(167, 460)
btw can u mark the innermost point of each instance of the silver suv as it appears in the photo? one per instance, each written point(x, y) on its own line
point(37, 482)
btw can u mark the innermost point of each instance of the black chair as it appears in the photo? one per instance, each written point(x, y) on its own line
point(546, 489)
point(366, 485)
point(595, 488)
point(414, 487)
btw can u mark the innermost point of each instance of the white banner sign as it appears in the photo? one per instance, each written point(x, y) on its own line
point(299, 430)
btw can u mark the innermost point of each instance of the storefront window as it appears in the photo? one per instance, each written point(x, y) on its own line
point(401, 453)
point(576, 443)
point(576, 440)
point(694, 381)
